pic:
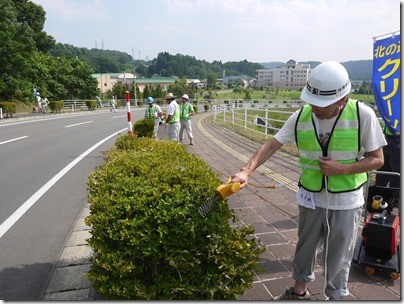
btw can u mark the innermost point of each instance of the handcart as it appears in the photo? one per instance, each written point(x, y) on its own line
point(379, 246)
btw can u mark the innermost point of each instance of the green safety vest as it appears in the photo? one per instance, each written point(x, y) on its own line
point(150, 112)
point(343, 146)
point(176, 116)
point(185, 110)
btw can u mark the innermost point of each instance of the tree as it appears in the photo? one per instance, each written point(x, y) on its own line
point(212, 79)
point(248, 92)
point(158, 92)
point(17, 53)
point(25, 64)
point(147, 91)
point(34, 16)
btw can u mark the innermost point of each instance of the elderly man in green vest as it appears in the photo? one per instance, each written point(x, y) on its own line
point(173, 116)
point(154, 112)
point(339, 141)
point(186, 111)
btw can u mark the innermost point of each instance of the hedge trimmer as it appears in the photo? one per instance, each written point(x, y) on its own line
point(224, 191)
point(221, 192)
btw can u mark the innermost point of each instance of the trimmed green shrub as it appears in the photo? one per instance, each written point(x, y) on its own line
point(56, 106)
point(8, 108)
point(196, 108)
point(144, 128)
point(148, 238)
point(206, 107)
point(91, 104)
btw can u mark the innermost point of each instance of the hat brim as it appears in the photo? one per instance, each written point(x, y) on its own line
point(170, 97)
point(318, 101)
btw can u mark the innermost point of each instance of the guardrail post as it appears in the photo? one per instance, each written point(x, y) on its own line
point(1, 113)
point(266, 124)
point(245, 118)
point(129, 113)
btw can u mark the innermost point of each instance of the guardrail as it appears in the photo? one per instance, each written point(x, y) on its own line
point(258, 118)
point(81, 103)
point(74, 104)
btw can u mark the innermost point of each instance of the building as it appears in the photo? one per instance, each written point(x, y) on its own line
point(233, 81)
point(107, 81)
point(290, 76)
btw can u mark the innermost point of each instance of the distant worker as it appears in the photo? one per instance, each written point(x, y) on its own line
point(99, 102)
point(391, 161)
point(186, 111)
point(38, 104)
point(153, 111)
point(113, 104)
point(173, 116)
point(44, 104)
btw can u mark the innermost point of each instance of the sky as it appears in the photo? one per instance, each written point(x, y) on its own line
point(226, 30)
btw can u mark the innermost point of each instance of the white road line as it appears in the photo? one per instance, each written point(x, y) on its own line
point(14, 139)
point(8, 223)
point(78, 124)
point(119, 116)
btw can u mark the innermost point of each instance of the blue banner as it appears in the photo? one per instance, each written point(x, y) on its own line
point(386, 81)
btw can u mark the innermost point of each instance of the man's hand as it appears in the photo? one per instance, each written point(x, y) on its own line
point(241, 177)
point(329, 166)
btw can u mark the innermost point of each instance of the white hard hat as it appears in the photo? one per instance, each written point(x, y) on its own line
point(185, 96)
point(327, 83)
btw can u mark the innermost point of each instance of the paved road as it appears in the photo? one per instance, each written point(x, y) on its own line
point(44, 166)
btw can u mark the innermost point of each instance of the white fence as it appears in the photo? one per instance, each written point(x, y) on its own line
point(253, 117)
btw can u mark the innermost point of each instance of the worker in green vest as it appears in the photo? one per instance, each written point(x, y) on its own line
point(186, 111)
point(173, 116)
point(153, 111)
point(339, 141)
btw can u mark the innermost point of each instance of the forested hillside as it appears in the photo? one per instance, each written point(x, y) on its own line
point(108, 61)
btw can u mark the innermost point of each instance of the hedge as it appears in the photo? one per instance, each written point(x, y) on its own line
point(56, 106)
point(144, 128)
point(8, 107)
point(91, 104)
point(148, 238)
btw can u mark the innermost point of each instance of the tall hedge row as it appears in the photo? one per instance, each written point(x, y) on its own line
point(149, 241)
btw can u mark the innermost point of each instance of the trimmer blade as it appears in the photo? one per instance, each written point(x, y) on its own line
point(208, 206)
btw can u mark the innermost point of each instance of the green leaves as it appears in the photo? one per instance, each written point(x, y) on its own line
point(149, 239)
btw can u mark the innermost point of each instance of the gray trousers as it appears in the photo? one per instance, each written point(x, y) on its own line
point(312, 234)
point(186, 125)
point(174, 131)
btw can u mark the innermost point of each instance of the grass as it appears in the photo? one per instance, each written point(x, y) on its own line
point(277, 95)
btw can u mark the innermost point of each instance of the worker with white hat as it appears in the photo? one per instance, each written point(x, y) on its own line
point(186, 111)
point(173, 116)
point(339, 141)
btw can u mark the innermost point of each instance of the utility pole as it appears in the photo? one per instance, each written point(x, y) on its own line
point(134, 80)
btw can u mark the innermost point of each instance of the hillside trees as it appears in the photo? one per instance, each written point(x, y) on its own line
point(102, 61)
point(16, 53)
point(25, 62)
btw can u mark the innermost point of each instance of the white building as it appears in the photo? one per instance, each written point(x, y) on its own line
point(291, 76)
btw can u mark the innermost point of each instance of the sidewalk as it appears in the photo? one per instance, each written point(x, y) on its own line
point(273, 213)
